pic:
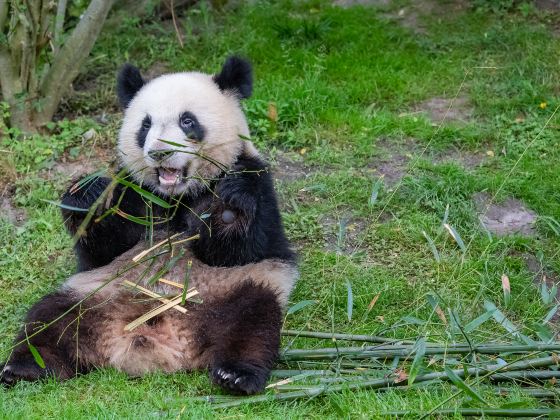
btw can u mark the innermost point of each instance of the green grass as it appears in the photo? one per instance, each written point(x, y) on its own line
point(346, 83)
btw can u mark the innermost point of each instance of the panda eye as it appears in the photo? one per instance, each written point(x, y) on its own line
point(186, 122)
point(146, 123)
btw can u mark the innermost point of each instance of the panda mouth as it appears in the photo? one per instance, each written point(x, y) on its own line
point(170, 176)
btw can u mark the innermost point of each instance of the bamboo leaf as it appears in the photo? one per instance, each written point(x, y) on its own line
point(505, 322)
point(299, 306)
point(349, 300)
point(413, 320)
point(341, 237)
point(64, 206)
point(186, 282)
point(144, 193)
point(477, 322)
point(134, 219)
point(445, 215)
point(375, 191)
point(437, 308)
point(419, 351)
point(550, 314)
point(455, 235)
point(432, 246)
point(459, 383)
point(36, 356)
point(507, 290)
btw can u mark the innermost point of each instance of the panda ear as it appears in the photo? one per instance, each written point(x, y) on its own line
point(129, 82)
point(236, 75)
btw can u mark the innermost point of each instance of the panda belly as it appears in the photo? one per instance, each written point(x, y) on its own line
point(171, 341)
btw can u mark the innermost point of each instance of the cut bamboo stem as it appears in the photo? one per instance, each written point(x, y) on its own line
point(155, 312)
point(390, 383)
point(171, 283)
point(483, 412)
point(153, 294)
point(348, 337)
point(405, 350)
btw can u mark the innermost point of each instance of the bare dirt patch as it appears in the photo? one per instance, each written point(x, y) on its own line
point(393, 160)
point(15, 215)
point(342, 235)
point(289, 166)
point(412, 16)
point(467, 159)
point(506, 218)
point(350, 3)
point(548, 5)
point(68, 168)
point(156, 69)
point(446, 109)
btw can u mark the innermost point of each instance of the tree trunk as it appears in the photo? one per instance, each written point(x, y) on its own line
point(67, 62)
point(33, 90)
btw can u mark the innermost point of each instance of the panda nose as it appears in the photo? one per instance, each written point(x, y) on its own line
point(160, 155)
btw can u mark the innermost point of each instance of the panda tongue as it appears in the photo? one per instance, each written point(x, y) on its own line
point(168, 176)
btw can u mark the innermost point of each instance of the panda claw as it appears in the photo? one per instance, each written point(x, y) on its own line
point(240, 377)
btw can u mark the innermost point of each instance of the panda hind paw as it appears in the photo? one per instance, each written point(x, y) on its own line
point(239, 377)
point(12, 372)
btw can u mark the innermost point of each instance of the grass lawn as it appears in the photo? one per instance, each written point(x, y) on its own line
point(392, 120)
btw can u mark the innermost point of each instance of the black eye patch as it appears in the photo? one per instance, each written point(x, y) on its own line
point(143, 131)
point(191, 127)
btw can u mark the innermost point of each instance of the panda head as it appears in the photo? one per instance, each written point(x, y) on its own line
point(181, 130)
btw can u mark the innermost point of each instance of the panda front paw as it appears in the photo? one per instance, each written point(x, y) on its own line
point(240, 377)
point(237, 196)
point(20, 371)
point(77, 201)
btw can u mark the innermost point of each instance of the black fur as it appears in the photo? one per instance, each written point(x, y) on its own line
point(248, 191)
point(56, 344)
point(236, 75)
point(196, 132)
point(129, 82)
point(256, 233)
point(143, 131)
point(238, 336)
point(109, 237)
point(244, 336)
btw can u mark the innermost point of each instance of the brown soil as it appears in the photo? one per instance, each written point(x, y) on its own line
point(446, 110)
point(15, 215)
point(506, 218)
point(393, 160)
point(411, 16)
point(289, 166)
point(350, 3)
point(353, 228)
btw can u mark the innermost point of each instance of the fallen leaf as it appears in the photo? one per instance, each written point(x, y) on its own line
point(401, 376)
point(373, 302)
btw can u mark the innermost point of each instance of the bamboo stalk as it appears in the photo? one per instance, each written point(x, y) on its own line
point(390, 383)
point(482, 412)
point(147, 251)
point(348, 337)
point(153, 294)
point(405, 350)
point(171, 283)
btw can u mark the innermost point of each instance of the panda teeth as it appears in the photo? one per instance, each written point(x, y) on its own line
point(169, 176)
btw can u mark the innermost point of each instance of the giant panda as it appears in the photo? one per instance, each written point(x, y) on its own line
point(183, 139)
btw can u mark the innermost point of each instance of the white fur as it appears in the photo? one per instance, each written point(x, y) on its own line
point(164, 99)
